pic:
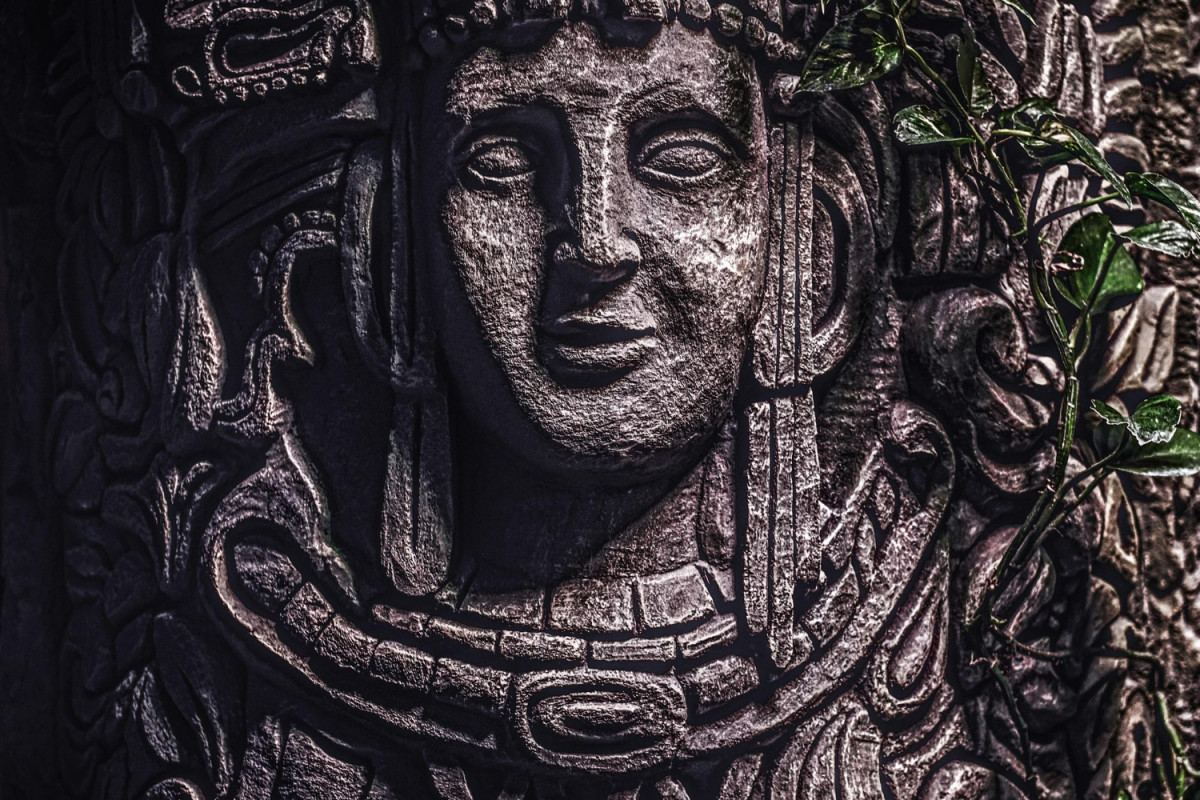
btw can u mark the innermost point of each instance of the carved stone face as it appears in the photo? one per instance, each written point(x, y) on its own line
point(604, 217)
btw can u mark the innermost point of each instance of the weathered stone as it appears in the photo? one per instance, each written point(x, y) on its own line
point(522, 608)
point(406, 666)
point(661, 648)
point(557, 398)
point(470, 685)
point(345, 645)
point(542, 646)
point(720, 681)
point(673, 598)
point(306, 614)
point(470, 635)
point(592, 605)
point(709, 636)
point(270, 577)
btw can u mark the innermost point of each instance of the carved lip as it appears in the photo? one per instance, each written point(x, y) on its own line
point(595, 344)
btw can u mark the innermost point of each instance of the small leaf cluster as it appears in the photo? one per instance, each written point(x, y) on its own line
point(1149, 441)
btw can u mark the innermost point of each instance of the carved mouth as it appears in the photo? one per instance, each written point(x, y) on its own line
point(593, 350)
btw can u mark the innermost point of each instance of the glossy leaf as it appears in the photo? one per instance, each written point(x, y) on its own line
point(852, 53)
point(971, 78)
point(1029, 115)
point(1110, 438)
point(1108, 413)
point(922, 125)
point(1155, 419)
point(1072, 141)
point(1179, 456)
point(1168, 237)
point(1094, 239)
point(1169, 193)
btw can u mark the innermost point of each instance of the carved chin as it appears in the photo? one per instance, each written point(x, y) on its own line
point(629, 405)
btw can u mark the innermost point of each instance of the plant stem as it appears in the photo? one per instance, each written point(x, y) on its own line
point(1078, 501)
point(1072, 209)
point(1010, 700)
point(965, 117)
point(1014, 133)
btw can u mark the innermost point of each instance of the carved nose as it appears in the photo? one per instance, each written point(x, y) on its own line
point(599, 266)
point(597, 252)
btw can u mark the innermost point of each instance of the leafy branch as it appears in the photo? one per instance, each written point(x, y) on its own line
point(1089, 274)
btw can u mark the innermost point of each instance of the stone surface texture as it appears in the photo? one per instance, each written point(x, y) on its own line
point(515, 399)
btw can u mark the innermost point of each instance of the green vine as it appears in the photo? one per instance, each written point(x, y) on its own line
point(1089, 274)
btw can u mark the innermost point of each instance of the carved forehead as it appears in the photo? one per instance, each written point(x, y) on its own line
point(576, 68)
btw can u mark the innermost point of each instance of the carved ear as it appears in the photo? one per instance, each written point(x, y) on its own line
point(825, 238)
point(384, 295)
point(780, 547)
point(834, 182)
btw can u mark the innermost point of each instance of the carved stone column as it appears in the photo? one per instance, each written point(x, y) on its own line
point(542, 398)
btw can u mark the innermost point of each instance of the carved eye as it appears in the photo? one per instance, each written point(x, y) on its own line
point(493, 161)
point(683, 157)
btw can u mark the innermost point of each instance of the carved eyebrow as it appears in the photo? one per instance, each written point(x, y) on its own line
point(530, 124)
point(647, 102)
point(648, 92)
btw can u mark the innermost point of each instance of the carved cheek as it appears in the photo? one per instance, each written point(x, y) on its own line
point(497, 243)
point(709, 252)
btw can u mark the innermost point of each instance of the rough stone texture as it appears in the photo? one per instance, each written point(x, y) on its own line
point(538, 398)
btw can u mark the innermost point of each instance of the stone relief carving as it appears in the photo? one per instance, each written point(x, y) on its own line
point(502, 399)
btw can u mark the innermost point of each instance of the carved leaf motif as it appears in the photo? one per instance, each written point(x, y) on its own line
point(1140, 352)
point(197, 363)
point(161, 509)
point(842, 761)
point(194, 688)
point(152, 719)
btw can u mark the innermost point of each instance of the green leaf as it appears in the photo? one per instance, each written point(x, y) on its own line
point(1059, 133)
point(1155, 419)
point(1166, 237)
point(1015, 5)
point(1033, 116)
point(1108, 439)
point(1111, 436)
point(1169, 193)
point(1029, 115)
point(1179, 456)
point(971, 78)
point(852, 53)
point(1109, 414)
point(922, 125)
point(1094, 239)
